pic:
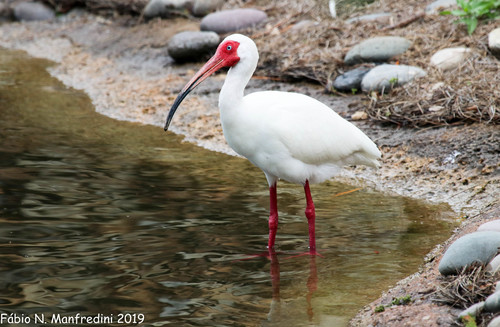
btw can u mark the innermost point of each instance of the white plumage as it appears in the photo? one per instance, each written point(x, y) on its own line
point(289, 136)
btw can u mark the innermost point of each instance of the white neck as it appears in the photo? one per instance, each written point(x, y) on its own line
point(237, 79)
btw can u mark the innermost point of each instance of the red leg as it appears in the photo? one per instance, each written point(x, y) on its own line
point(273, 216)
point(311, 218)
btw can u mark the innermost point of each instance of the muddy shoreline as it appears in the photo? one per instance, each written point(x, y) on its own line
point(125, 70)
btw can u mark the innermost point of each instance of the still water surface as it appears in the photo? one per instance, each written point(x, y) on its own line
point(99, 216)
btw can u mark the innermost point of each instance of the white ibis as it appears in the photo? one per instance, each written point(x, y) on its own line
point(289, 136)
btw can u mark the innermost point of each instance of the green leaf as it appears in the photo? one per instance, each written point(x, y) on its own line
point(471, 23)
point(459, 13)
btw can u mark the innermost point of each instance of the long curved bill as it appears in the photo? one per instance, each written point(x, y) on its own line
point(214, 64)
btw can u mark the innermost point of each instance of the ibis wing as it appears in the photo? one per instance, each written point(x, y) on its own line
point(311, 131)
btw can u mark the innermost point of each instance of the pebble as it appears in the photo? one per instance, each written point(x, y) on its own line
point(475, 247)
point(379, 17)
point(474, 310)
point(449, 58)
point(165, 8)
point(494, 264)
point(437, 6)
point(495, 322)
point(226, 21)
point(359, 115)
point(192, 45)
point(494, 41)
point(33, 11)
point(204, 7)
point(384, 77)
point(377, 49)
point(350, 80)
point(492, 303)
point(493, 225)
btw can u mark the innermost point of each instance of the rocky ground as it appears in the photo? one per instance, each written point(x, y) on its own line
point(123, 65)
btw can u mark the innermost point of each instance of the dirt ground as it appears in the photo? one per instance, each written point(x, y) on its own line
point(124, 68)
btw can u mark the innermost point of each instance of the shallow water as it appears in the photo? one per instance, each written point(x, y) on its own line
point(119, 220)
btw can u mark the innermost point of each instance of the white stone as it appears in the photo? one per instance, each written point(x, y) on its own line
point(494, 41)
point(450, 58)
point(495, 322)
point(494, 264)
point(493, 225)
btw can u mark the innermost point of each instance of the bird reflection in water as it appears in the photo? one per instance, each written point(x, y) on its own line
point(275, 312)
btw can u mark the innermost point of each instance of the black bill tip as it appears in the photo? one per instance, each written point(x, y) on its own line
point(174, 107)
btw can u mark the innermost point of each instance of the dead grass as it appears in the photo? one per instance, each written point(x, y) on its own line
point(471, 286)
point(468, 93)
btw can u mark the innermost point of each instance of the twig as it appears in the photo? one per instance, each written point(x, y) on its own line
point(405, 22)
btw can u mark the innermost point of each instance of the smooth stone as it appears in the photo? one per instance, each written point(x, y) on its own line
point(477, 247)
point(493, 225)
point(494, 41)
point(449, 58)
point(166, 8)
point(384, 77)
point(33, 11)
point(494, 323)
point(437, 6)
point(492, 303)
point(494, 264)
point(474, 310)
point(189, 46)
point(205, 7)
point(350, 80)
point(377, 49)
point(380, 17)
point(226, 21)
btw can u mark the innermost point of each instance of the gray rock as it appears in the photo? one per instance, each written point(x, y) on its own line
point(384, 77)
point(494, 41)
point(492, 303)
point(232, 20)
point(478, 247)
point(377, 49)
point(192, 46)
point(350, 80)
point(474, 310)
point(33, 11)
point(493, 225)
point(204, 7)
point(495, 322)
point(380, 17)
point(437, 6)
point(5, 12)
point(166, 8)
